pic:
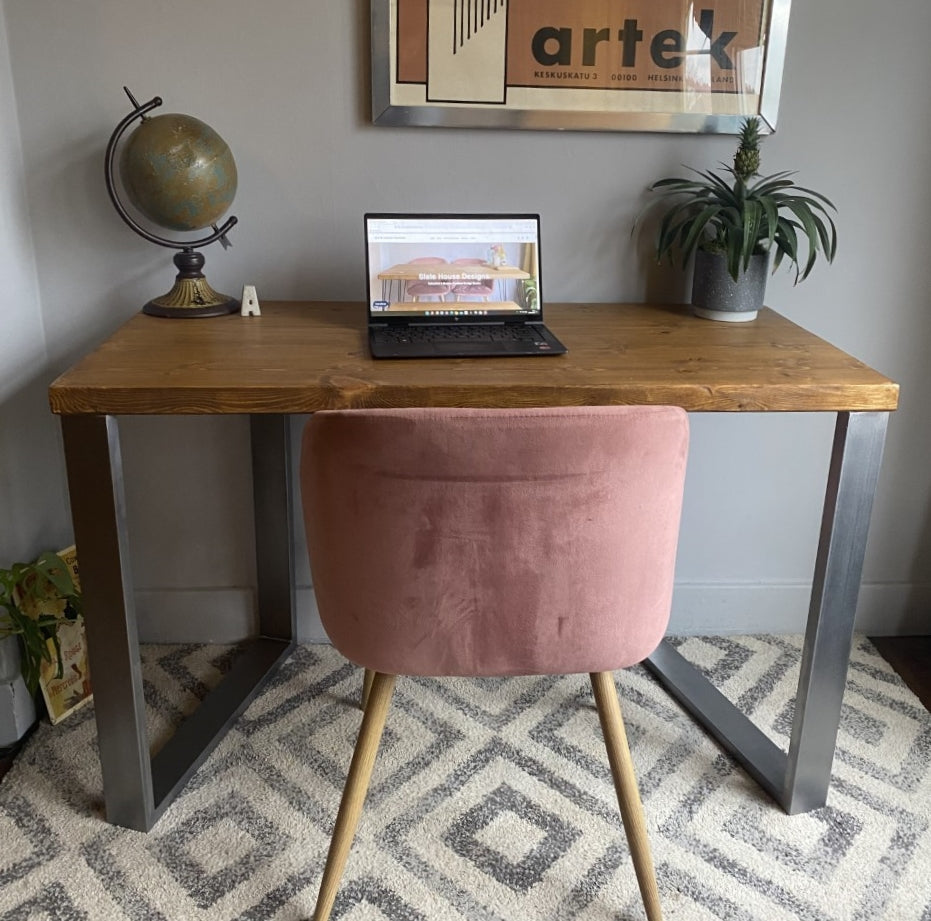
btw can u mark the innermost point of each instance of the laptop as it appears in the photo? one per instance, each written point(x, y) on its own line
point(455, 285)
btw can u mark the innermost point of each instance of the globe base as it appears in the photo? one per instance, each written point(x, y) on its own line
point(191, 295)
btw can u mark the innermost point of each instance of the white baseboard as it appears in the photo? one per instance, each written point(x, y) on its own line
point(884, 609)
point(228, 615)
point(214, 615)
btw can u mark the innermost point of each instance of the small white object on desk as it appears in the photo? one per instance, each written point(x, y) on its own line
point(250, 302)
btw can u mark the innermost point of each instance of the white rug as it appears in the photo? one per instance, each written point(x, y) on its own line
point(491, 801)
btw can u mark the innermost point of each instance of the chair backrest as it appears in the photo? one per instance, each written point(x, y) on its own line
point(494, 542)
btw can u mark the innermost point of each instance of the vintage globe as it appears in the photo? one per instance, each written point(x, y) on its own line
point(178, 172)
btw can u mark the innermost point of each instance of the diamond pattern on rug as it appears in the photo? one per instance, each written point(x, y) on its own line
point(52, 904)
point(28, 840)
point(547, 836)
point(491, 800)
point(216, 847)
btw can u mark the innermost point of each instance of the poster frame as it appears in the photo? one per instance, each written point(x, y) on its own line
point(566, 116)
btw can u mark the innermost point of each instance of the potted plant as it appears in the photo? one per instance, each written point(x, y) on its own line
point(734, 223)
point(35, 600)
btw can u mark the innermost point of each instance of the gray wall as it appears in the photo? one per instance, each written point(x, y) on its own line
point(33, 500)
point(286, 83)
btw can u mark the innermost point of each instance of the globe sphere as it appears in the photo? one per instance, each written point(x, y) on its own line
point(178, 172)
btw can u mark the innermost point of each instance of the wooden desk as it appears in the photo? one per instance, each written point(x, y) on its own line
point(302, 357)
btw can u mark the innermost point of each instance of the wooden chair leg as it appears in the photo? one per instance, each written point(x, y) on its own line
point(628, 795)
point(357, 784)
point(366, 688)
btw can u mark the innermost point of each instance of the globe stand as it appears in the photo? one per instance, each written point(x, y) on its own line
point(191, 295)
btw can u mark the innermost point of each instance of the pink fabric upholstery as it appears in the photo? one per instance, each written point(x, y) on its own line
point(494, 542)
point(483, 287)
point(415, 289)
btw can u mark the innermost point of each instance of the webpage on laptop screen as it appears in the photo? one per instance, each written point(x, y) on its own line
point(451, 267)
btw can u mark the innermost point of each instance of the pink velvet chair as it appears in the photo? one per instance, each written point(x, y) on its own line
point(482, 287)
point(488, 543)
point(418, 289)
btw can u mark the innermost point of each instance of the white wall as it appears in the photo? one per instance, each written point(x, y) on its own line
point(286, 84)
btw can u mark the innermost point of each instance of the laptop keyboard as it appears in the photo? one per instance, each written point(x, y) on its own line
point(459, 334)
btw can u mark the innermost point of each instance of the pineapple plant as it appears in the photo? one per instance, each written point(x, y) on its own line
point(747, 158)
point(737, 213)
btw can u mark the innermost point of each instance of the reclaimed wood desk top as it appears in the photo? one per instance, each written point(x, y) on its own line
point(299, 357)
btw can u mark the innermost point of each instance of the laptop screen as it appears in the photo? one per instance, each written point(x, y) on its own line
point(449, 268)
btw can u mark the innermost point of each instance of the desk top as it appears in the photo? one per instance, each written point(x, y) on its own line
point(299, 357)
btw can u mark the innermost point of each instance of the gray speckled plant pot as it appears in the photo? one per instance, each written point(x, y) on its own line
point(716, 296)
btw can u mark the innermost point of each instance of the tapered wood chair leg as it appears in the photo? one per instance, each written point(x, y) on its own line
point(628, 795)
point(366, 688)
point(357, 784)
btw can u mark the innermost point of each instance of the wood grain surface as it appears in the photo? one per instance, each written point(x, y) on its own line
point(300, 357)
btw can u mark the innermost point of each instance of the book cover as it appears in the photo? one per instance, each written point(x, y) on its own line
point(72, 689)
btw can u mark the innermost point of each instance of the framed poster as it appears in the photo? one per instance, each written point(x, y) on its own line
point(615, 65)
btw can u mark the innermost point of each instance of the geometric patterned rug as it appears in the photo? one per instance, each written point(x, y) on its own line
point(491, 800)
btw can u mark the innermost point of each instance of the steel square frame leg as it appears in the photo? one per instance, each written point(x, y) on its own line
point(799, 780)
point(138, 788)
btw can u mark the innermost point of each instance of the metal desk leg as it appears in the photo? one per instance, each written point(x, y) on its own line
point(98, 510)
point(858, 448)
point(137, 788)
point(799, 782)
point(274, 547)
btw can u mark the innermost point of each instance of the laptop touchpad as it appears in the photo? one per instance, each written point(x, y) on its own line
point(467, 348)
